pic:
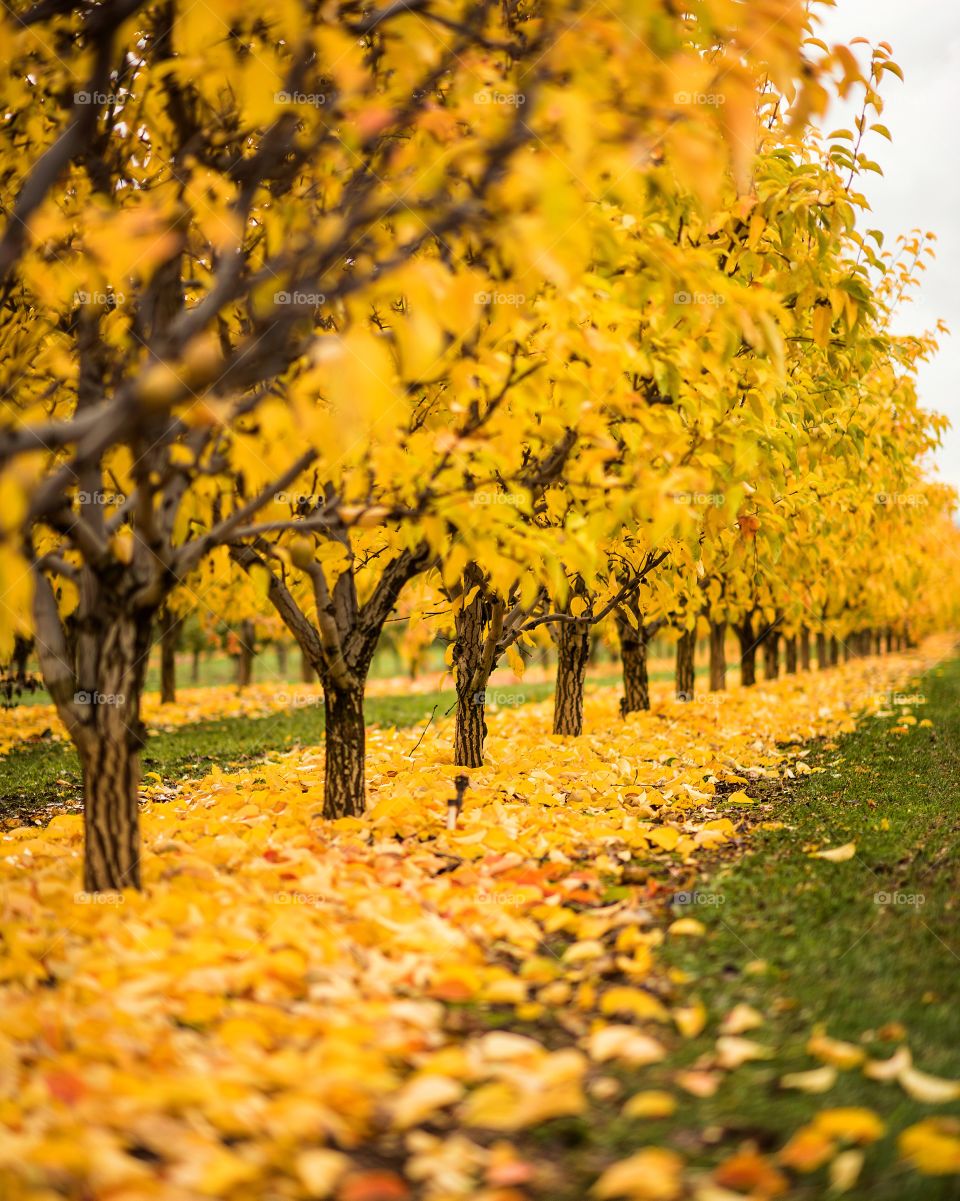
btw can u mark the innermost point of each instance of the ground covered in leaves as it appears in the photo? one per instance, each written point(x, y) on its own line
point(598, 984)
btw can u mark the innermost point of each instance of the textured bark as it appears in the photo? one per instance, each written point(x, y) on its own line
point(823, 658)
point(245, 655)
point(718, 656)
point(169, 638)
point(471, 726)
point(633, 656)
point(345, 742)
point(685, 671)
point(573, 652)
point(834, 652)
point(109, 738)
point(748, 653)
point(790, 647)
point(771, 654)
point(804, 649)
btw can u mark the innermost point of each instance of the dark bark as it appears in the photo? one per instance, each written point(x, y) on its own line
point(790, 647)
point(195, 666)
point(823, 658)
point(685, 671)
point(109, 737)
point(834, 652)
point(344, 783)
point(573, 651)
point(245, 654)
point(771, 654)
point(748, 653)
point(890, 641)
point(718, 656)
point(171, 626)
point(633, 656)
point(804, 649)
point(471, 727)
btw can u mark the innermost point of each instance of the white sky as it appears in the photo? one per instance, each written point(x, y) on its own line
point(921, 182)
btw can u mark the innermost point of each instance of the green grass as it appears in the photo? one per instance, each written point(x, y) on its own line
point(832, 954)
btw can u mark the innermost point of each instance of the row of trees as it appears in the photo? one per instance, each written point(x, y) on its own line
point(541, 314)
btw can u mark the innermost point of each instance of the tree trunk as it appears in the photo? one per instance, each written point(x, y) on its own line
point(834, 652)
point(823, 659)
point(345, 742)
point(573, 651)
point(471, 726)
point(308, 674)
point(790, 645)
point(633, 656)
point(718, 656)
point(195, 666)
point(748, 653)
point(245, 655)
point(282, 659)
point(771, 655)
point(890, 646)
point(685, 672)
point(169, 638)
point(109, 738)
point(804, 649)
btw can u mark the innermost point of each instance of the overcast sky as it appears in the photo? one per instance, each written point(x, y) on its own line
point(921, 182)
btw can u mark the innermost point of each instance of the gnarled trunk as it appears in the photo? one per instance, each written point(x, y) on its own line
point(471, 726)
point(109, 737)
point(748, 653)
point(633, 656)
point(804, 649)
point(823, 658)
point(245, 655)
point(790, 646)
point(685, 671)
point(345, 744)
point(169, 638)
point(573, 651)
point(718, 656)
point(771, 654)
